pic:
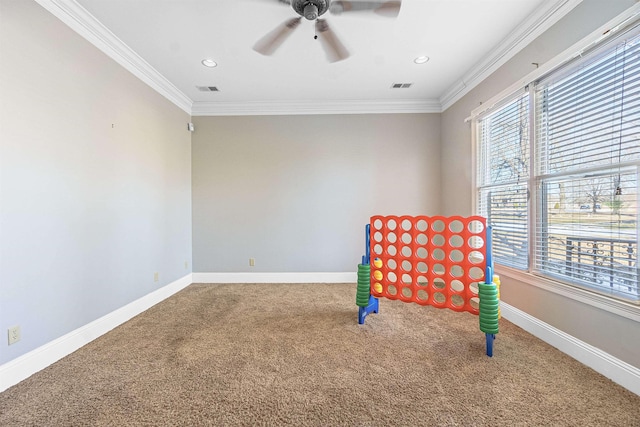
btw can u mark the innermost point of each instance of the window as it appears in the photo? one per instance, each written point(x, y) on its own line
point(563, 202)
point(503, 176)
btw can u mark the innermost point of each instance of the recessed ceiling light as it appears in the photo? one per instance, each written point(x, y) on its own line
point(209, 63)
point(421, 59)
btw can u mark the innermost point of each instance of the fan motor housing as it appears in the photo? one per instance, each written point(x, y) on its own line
point(306, 8)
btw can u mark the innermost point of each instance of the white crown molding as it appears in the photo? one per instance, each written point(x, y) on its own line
point(617, 25)
point(537, 23)
point(82, 22)
point(314, 107)
point(21, 368)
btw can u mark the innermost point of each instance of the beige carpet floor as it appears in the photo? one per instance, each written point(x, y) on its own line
point(293, 354)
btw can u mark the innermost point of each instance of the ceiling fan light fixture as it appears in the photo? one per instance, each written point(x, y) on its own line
point(421, 59)
point(311, 12)
point(310, 9)
point(209, 63)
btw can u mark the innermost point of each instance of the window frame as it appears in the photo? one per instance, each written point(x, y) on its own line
point(608, 34)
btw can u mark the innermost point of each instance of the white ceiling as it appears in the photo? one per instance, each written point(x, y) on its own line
point(164, 41)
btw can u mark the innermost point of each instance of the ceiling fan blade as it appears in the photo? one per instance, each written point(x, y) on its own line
point(332, 46)
point(390, 9)
point(272, 41)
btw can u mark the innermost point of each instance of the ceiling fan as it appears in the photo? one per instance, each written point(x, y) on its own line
point(312, 10)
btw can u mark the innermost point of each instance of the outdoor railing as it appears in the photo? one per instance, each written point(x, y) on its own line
point(602, 262)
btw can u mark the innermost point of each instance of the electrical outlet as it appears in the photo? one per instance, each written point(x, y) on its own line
point(14, 334)
point(156, 276)
point(252, 262)
point(186, 265)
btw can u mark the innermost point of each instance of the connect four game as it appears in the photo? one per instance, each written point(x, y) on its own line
point(430, 261)
point(443, 262)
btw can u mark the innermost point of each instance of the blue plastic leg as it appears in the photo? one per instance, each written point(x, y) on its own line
point(490, 338)
point(362, 313)
point(372, 307)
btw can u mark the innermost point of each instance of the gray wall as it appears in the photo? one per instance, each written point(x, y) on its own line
point(614, 334)
point(88, 211)
point(295, 192)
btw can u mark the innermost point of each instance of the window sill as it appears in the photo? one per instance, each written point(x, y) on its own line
point(625, 309)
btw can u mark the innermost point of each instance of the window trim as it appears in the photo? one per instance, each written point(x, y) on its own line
point(604, 302)
point(604, 34)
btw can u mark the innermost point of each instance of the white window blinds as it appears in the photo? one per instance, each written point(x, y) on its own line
point(587, 164)
point(590, 118)
point(503, 174)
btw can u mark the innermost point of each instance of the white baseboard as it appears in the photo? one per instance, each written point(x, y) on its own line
point(18, 369)
point(347, 277)
point(620, 372)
